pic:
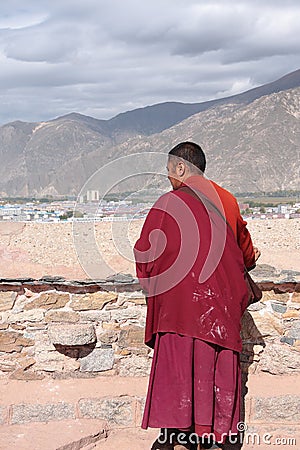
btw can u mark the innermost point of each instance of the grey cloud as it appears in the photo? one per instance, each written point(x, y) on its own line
point(39, 46)
point(104, 57)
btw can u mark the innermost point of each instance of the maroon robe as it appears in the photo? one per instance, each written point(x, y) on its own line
point(189, 262)
point(193, 386)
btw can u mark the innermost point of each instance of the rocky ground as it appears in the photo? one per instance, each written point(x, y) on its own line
point(279, 242)
point(38, 249)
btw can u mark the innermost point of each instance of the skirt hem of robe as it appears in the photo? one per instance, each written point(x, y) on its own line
point(192, 379)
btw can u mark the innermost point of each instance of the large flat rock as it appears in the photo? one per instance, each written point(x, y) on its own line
point(62, 435)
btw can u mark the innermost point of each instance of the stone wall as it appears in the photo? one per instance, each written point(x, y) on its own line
point(71, 329)
point(53, 327)
point(57, 329)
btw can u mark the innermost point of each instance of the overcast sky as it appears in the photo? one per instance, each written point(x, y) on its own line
point(102, 57)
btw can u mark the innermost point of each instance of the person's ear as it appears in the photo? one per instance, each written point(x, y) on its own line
point(180, 169)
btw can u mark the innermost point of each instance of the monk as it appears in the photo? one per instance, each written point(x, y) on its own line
point(190, 260)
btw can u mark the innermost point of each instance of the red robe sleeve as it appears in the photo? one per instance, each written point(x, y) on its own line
point(235, 220)
point(245, 243)
point(150, 244)
point(244, 239)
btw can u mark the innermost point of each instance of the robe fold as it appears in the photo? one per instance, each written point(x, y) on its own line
point(228, 206)
point(205, 381)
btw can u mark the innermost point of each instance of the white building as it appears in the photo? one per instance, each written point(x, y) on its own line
point(92, 196)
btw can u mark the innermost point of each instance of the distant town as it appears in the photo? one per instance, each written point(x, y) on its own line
point(90, 208)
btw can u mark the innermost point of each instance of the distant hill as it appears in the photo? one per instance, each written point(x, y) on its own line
point(156, 118)
point(251, 147)
point(159, 117)
point(252, 142)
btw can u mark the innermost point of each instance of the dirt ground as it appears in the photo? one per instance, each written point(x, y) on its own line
point(38, 249)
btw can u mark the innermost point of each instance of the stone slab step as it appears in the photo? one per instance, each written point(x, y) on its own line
point(128, 439)
point(63, 435)
point(13, 392)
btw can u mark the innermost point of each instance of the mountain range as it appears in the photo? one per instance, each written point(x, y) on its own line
point(252, 142)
